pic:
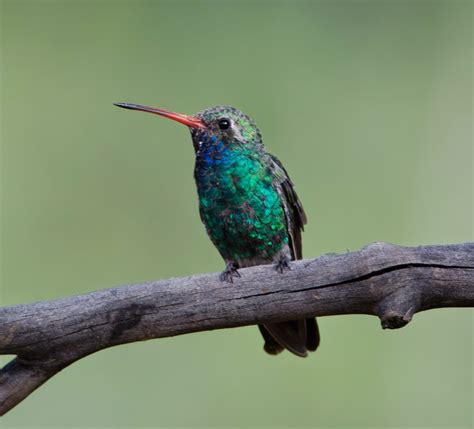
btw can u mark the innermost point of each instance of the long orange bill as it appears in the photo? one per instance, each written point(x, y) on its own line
point(190, 121)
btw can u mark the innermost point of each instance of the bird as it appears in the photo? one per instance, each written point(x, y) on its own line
point(248, 205)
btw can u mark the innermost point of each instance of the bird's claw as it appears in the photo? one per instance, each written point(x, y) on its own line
point(283, 264)
point(229, 273)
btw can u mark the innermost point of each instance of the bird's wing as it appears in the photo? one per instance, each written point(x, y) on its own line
point(298, 336)
point(294, 212)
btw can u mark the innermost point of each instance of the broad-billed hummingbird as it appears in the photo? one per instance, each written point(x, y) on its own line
point(248, 205)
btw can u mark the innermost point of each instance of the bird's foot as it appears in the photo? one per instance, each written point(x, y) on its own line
point(283, 264)
point(229, 273)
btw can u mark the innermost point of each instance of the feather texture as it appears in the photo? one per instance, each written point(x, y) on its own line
point(250, 209)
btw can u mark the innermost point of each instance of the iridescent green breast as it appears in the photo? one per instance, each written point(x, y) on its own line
point(238, 201)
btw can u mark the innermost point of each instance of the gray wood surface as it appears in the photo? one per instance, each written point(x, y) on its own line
point(388, 281)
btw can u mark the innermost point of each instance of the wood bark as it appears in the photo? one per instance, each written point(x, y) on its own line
point(385, 280)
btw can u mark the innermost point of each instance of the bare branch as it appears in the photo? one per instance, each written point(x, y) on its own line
point(384, 280)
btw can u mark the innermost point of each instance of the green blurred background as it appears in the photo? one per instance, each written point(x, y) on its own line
point(368, 104)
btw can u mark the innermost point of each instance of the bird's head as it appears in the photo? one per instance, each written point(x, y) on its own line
point(224, 124)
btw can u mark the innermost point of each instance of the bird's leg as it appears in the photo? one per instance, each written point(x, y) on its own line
point(230, 271)
point(283, 264)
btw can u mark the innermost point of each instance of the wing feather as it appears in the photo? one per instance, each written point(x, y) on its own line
point(298, 336)
point(295, 214)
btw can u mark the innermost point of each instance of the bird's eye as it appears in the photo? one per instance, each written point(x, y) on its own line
point(224, 123)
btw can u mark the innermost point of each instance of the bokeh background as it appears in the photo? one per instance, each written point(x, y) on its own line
point(368, 104)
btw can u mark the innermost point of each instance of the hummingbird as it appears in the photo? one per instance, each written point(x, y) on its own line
point(248, 205)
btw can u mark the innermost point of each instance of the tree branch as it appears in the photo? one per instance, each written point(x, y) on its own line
point(384, 280)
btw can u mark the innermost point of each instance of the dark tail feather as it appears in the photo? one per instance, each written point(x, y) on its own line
point(270, 346)
point(312, 335)
point(297, 336)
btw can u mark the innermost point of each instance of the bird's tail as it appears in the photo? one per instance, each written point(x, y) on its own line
point(297, 336)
